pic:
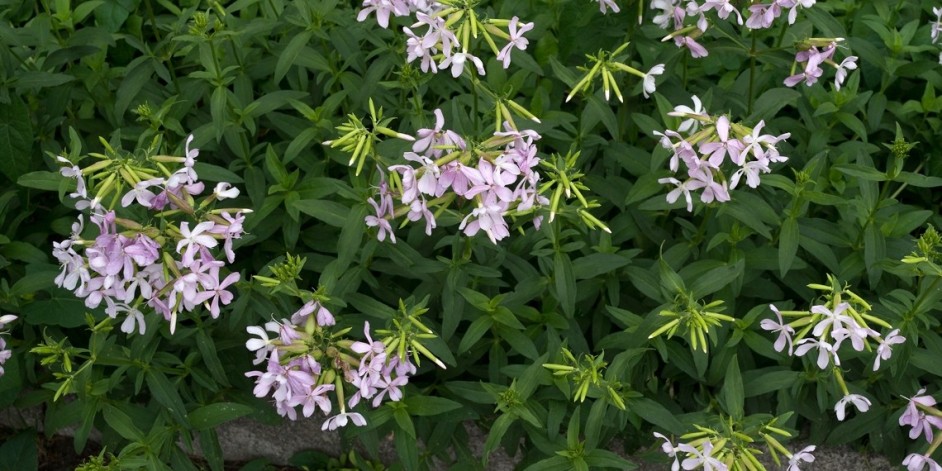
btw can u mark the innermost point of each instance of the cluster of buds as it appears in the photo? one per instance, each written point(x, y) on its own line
point(498, 174)
point(605, 65)
point(925, 420)
point(717, 140)
point(812, 54)
point(732, 447)
point(360, 140)
point(168, 265)
point(675, 13)
point(841, 316)
point(307, 359)
point(588, 375)
point(5, 352)
point(450, 27)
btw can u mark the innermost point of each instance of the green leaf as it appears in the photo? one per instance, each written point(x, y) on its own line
point(758, 382)
point(596, 110)
point(40, 180)
point(19, 452)
point(787, 244)
point(597, 264)
point(657, 414)
point(917, 180)
point(429, 405)
point(288, 54)
point(854, 123)
point(330, 212)
point(166, 394)
point(207, 350)
point(606, 459)
point(16, 139)
point(861, 171)
point(213, 415)
point(64, 312)
point(215, 173)
point(475, 331)
point(769, 103)
point(407, 450)
point(564, 283)
point(716, 279)
point(496, 433)
point(732, 396)
point(38, 79)
point(121, 423)
point(874, 245)
point(671, 283)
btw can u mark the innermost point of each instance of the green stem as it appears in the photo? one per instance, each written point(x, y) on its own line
point(752, 74)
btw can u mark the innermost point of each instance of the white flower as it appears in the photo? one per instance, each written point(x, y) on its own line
point(340, 420)
point(803, 455)
point(603, 4)
point(885, 350)
point(192, 240)
point(457, 60)
point(691, 124)
point(225, 190)
point(649, 84)
point(861, 403)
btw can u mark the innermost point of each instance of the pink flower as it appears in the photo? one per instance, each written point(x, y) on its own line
point(915, 462)
point(762, 15)
point(193, 240)
point(849, 63)
point(696, 49)
point(516, 40)
point(711, 189)
point(811, 72)
point(723, 9)
point(885, 350)
point(917, 418)
point(784, 330)
point(381, 222)
point(719, 149)
point(490, 219)
point(604, 4)
point(683, 188)
point(383, 9)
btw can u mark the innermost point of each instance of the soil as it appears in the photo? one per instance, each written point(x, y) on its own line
point(56, 453)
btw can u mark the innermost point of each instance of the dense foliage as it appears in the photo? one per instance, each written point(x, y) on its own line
point(575, 223)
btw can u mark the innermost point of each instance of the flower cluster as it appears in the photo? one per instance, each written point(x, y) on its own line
point(925, 420)
point(704, 143)
point(828, 326)
point(5, 352)
point(307, 360)
point(168, 266)
point(810, 59)
point(449, 27)
point(712, 450)
point(673, 14)
point(304, 363)
point(499, 175)
point(936, 27)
